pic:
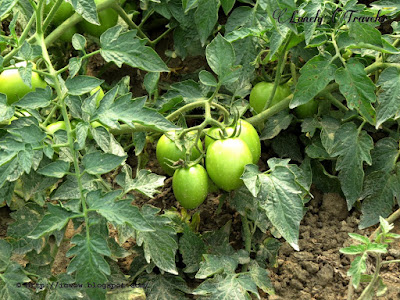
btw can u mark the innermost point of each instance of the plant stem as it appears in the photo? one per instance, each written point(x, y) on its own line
point(336, 102)
point(367, 293)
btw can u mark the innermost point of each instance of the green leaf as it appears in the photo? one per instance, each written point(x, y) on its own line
point(87, 9)
point(69, 189)
point(126, 48)
point(363, 32)
point(377, 248)
point(352, 147)
point(82, 84)
point(214, 264)
point(281, 197)
point(164, 287)
point(5, 254)
point(56, 169)
point(101, 163)
point(384, 155)
point(358, 88)
point(12, 284)
point(227, 5)
point(192, 249)
point(225, 288)
point(378, 197)
point(145, 182)
point(276, 124)
point(314, 77)
point(88, 262)
point(6, 112)
point(360, 238)
point(358, 266)
point(385, 226)
point(127, 110)
point(221, 57)
point(267, 253)
point(354, 249)
point(117, 212)
point(205, 17)
point(36, 99)
point(261, 278)
point(160, 245)
point(313, 8)
point(389, 96)
point(56, 218)
point(71, 293)
point(150, 82)
point(6, 6)
point(207, 78)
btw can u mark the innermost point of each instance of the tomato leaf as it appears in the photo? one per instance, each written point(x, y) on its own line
point(358, 89)
point(276, 124)
point(36, 99)
point(145, 182)
point(389, 96)
point(126, 48)
point(88, 262)
point(69, 189)
point(12, 284)
point(55, 219)
point(205, 17)
point(260, 277)
point(101, 163)
point(192, 248)
point(5, 254)
point(82, 84)
point(117, 212)
point(366, 33)
point(164, 237)
point(56, 169)
point(164, 287)
point(87, 9)
point(352, 147)
point(358, 266)
point(6, 6)
point(314, 77)
point(6, 112)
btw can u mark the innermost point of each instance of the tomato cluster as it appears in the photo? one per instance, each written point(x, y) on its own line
point(227, 153)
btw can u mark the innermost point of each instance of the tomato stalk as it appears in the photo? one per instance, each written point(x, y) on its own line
point(52, 13)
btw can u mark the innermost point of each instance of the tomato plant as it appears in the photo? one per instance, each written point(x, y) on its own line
point(167, 152)
point(261, 92)
point(12, 85)
point(307, 110)
point(245, 131)
point(54, 127)
point(225, 162)
point(190, 186)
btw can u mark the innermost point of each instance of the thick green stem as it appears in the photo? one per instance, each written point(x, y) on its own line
point(368, 291)
point(52, 13)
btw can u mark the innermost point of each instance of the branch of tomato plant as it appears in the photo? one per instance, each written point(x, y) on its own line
point(335, 102)
point(367, 292)
point(121, 12)
point(393, 217)
point(86, 56)
point(52, 13)
point(279, 70)
point(61, 97)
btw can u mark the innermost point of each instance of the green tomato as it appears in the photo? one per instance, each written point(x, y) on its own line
point(167, 151)
point(100, 95)
point(248, 134)
point(54, 127)
point(225, 162)
point(306, 110)
point(11, 83)
point(68, 34)
point(190, 186)
point(8, 122)
point(64, 11)
point(261, 91)
point(108, 18)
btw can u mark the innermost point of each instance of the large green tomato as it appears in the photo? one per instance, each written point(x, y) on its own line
point(248, 134)
point(225, 162)
point(167, 151)
point(64, 11)
point(12, 85)
point(306, 110)
point(260, 93)
point(108, 18)
point(190, 186)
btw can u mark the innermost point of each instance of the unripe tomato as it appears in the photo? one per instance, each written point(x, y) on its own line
point(225, 162)
point(63, 12)
point(248, 134)
point(53, 127)
point(12, 85)
point(108, 18)
point(166, 150)
point(260, 93)
point(306, 110)
point(190, 186)
point(68, 34)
